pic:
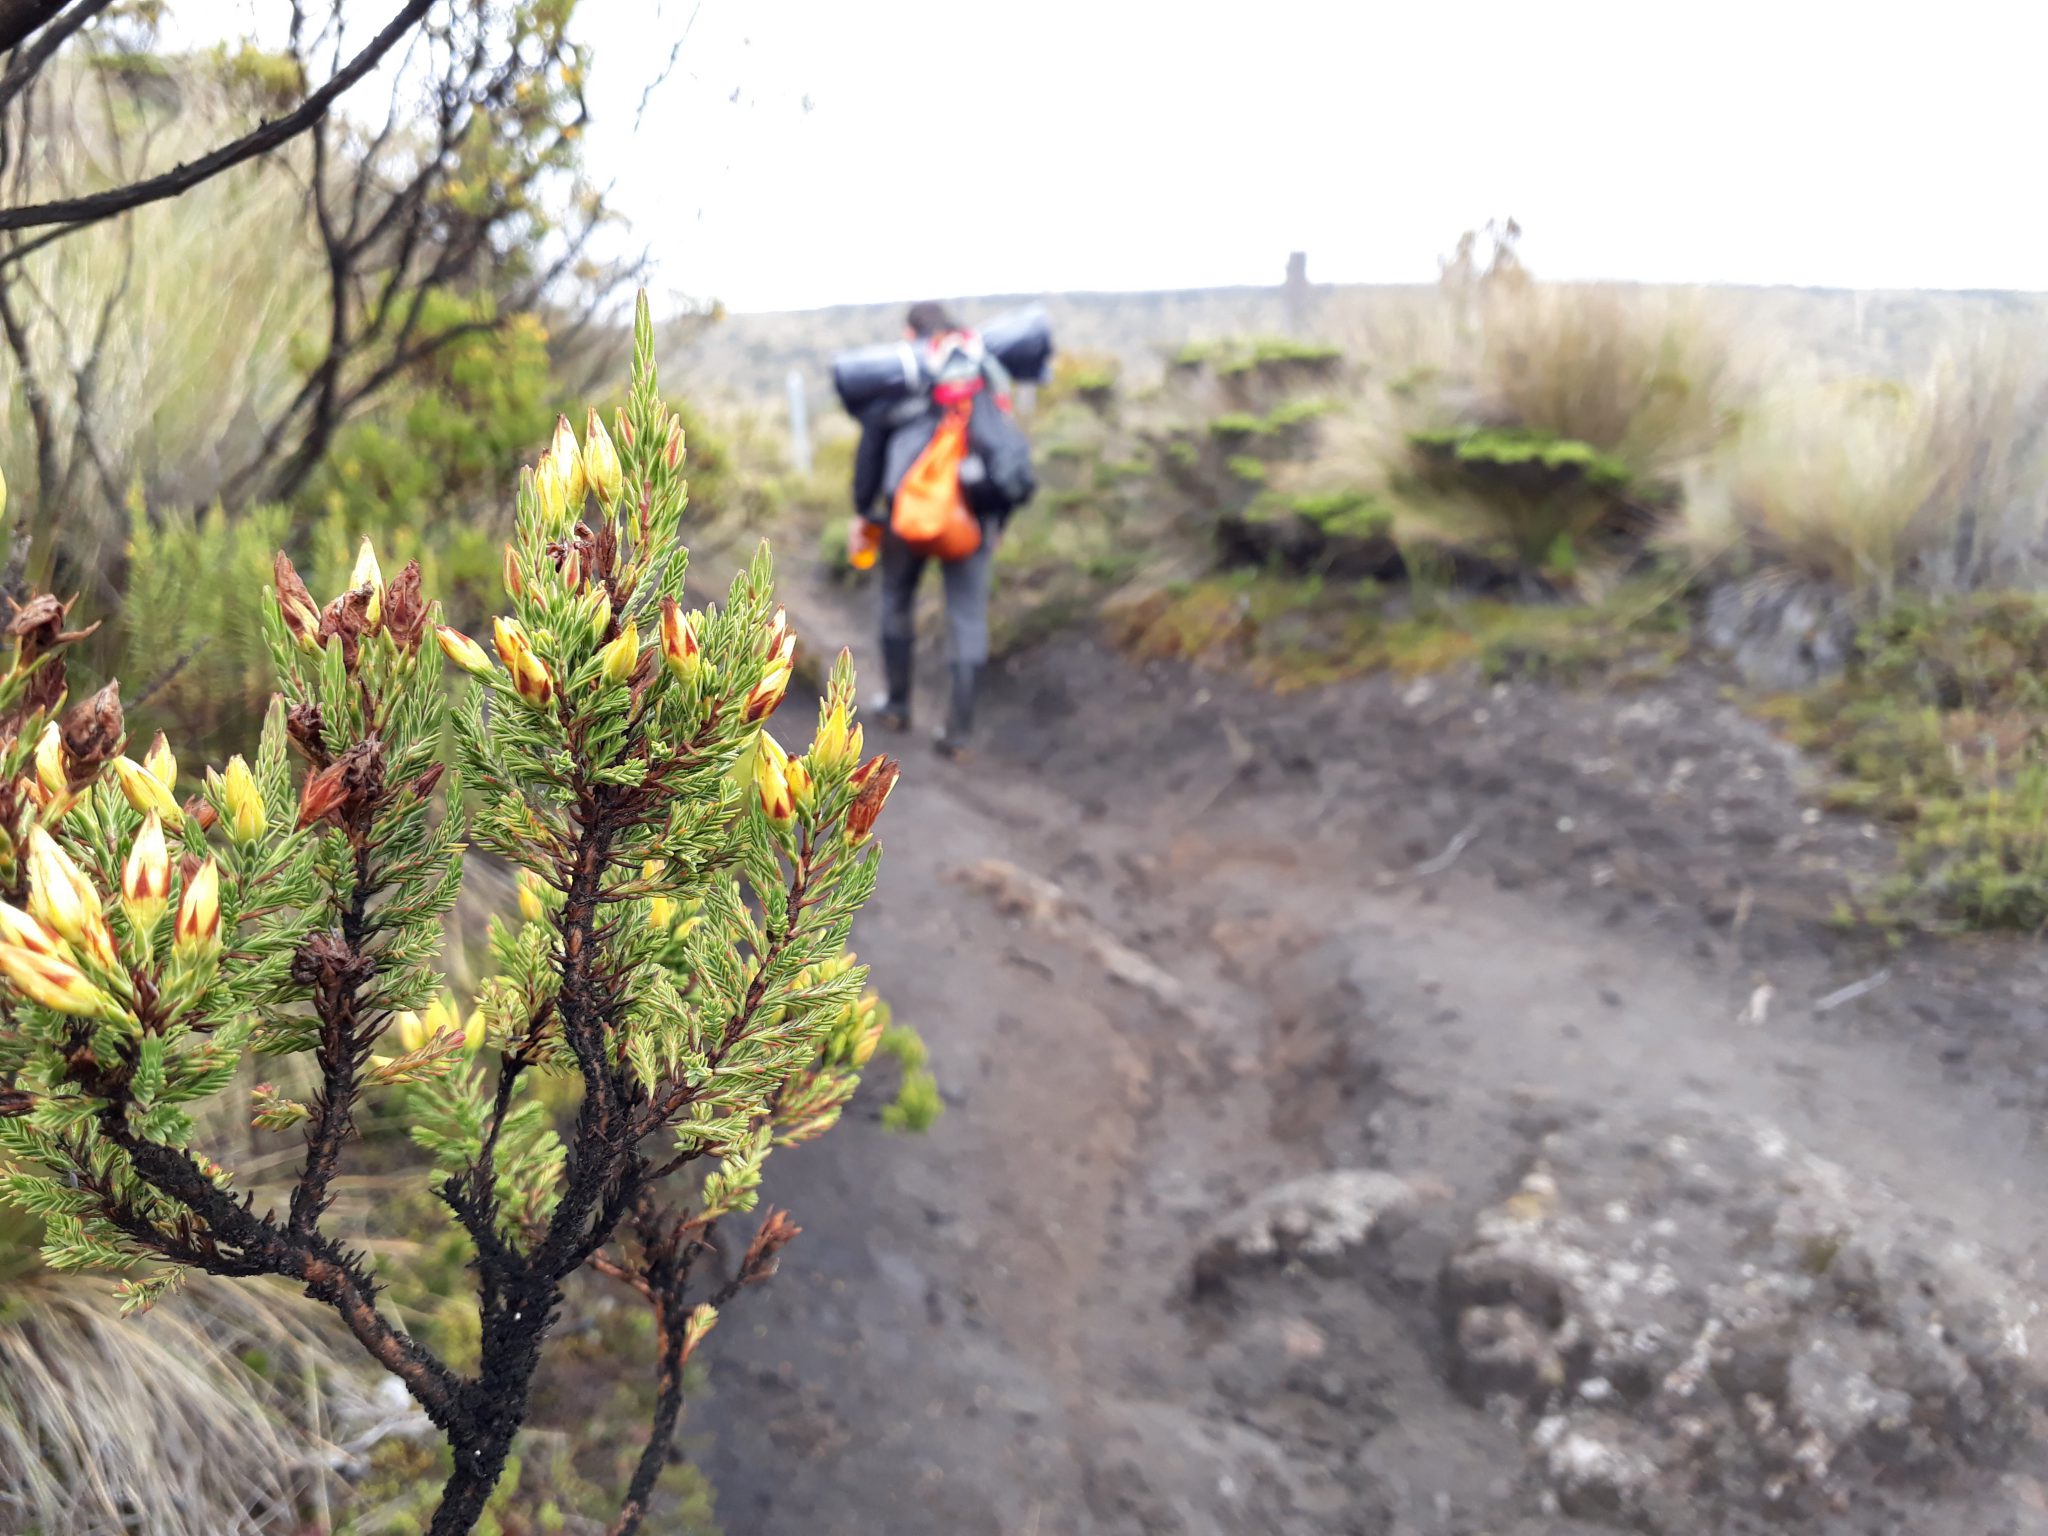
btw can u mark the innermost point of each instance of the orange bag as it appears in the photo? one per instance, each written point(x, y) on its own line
point(929, 513)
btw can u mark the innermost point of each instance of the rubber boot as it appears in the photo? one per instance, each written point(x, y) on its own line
point(952, 740)
point(893, 709)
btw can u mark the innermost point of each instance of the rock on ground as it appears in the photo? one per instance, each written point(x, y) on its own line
point(1700, 1308)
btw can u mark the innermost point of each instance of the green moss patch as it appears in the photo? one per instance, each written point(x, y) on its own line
point(1940, 726)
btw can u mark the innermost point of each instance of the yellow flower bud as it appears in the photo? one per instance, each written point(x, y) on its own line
point(774, 683)
point(247, 818)
point(679, 645)
point(661, 912)
point(622, 655)
point(838, 742)
point(800, 785)
point(369, 574)
point(412, 1030)
point(530, 906)
point(163, 767)
point(54, 982)
point(146, 877)
point(463, 651)
point(771, 779)
point(19, 928)
point(530, 675)
point(197, 930)
point(50, 762)
point(600, 461)
point(550, 495)
point(146, 793)
point(569, 464)
point(58, 892)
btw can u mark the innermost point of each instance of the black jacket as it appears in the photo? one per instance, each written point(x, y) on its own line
point(892, 434)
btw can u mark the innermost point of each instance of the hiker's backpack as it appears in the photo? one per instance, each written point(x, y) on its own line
point(975, 464)
point(996, 477)
point(930, 512)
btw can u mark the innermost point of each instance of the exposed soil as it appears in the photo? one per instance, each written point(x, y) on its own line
point(1511, 962)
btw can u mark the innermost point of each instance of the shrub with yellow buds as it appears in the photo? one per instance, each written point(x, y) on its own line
point(153, 954)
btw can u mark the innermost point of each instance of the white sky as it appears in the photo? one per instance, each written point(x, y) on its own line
point(819, 151)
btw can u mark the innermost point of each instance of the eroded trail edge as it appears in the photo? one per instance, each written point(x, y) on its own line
point(1405, 1108)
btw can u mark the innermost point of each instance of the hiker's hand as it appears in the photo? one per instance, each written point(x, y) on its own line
point(863, 543)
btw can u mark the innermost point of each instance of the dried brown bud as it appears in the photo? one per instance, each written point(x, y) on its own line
point(302, 723)
point(92, 731)
point(425, 784)
point(38, 625)
point(349, 617)
point(405, 610)
point(202, 811)
point(604, 550)
point(873, 780)
point(773, 1235)
point(38, 629)
point(346, 788)
point(38, 620)
point(326, 962)
point(301, 613)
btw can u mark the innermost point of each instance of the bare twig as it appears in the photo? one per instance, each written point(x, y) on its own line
point(77, 212)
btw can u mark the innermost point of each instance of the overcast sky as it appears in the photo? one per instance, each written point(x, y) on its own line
point(816, 151)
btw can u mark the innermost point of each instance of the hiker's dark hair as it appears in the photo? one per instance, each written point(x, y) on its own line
point(929, 318)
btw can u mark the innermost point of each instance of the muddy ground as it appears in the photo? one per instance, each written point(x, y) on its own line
point(1404, 1107)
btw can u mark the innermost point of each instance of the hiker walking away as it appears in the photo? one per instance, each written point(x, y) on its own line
point(936, 477)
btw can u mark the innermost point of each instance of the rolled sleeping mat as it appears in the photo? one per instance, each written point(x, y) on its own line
point(890, 371)
point(877, 375)
point(1022, 342)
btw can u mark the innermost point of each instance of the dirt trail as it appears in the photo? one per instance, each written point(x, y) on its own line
point(1174, 944)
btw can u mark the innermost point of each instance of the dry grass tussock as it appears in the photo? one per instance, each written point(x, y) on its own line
point(1874, 486)
point(1653, 377)
point(154, 1426)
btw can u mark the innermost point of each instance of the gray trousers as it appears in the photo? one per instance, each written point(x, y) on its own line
point(967, 584)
